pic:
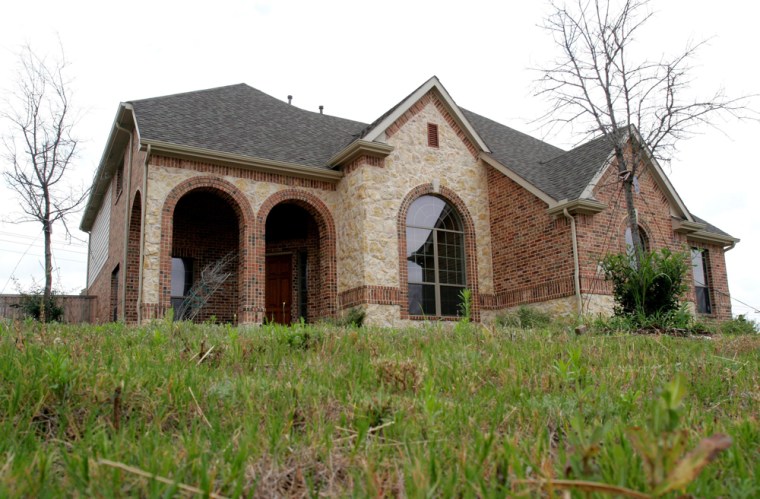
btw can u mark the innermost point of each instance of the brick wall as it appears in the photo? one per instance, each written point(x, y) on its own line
point(101, 285)
point(532, 251)
point(604, 233)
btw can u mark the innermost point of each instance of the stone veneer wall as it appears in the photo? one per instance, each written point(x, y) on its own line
point(372, 194)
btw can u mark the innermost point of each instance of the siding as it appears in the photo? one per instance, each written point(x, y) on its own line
point(99, 239)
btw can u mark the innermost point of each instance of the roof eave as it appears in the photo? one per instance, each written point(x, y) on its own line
point(250, 162)
point(577, 207)
point(125, 118)
point(702, 236)
point(358, 148)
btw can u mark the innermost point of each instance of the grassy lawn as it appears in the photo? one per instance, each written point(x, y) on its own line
point(99, 410)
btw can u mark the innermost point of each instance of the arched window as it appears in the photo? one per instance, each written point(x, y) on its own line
point(629, 240)
point(435, 257)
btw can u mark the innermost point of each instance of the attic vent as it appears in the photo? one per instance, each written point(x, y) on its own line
point(432, 135)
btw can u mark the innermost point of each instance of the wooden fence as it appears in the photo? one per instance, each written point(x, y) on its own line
point(77, 309)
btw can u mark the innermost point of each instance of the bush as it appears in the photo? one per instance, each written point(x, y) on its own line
point(653, 289)
point(740, 325)
point(31, 305)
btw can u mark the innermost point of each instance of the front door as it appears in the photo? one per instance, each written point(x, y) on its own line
point(279, 288)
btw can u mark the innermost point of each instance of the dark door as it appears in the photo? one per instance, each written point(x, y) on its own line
point(279, 288)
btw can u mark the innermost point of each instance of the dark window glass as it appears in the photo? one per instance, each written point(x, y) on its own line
point(435, 257)
point(699, 259)
point(629, 240)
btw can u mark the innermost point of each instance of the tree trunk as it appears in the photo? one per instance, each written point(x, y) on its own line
point(626, 176)
point(48, 231)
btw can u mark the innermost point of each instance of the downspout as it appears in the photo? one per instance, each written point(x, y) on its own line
point(576, 264)
point(142, 236)
point(126, 224)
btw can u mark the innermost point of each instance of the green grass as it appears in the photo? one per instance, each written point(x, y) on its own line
point(320, 410)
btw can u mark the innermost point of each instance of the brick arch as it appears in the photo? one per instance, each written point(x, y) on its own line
point(242, 208)
point(328, 300)
point(132, 261)
point(470, 251)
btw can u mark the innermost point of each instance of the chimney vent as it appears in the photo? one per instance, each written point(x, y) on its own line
point(290, 98)
point(321, 108)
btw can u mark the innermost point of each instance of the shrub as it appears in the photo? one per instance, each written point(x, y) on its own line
point(653, 289)
point(31, 305)
point(740, 325)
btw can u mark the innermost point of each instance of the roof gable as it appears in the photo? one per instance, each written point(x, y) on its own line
point(376, 130)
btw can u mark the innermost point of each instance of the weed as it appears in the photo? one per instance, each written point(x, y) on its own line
point(740, 325)
point(525, 318)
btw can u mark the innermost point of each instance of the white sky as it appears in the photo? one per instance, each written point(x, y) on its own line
point(360, 58)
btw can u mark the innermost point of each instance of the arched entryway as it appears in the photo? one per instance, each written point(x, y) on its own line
point(206, 225)
point(133, 261)
point(299, 277)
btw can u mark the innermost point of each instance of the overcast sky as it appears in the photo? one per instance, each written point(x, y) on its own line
point(360, 58)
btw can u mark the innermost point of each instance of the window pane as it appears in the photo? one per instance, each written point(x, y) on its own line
point(420, 255)
point(450, 258)
point(450, 300)
point(425, 211)
point(698, 267)
point(178, 277)
point(703, 300)
point(422, 299)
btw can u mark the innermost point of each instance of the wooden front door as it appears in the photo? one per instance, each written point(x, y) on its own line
point(279, 288)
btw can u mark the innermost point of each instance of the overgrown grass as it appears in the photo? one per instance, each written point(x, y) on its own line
point(343, 411)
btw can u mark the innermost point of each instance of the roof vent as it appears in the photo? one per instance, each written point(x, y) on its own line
point(321, 108)
point(290, 98)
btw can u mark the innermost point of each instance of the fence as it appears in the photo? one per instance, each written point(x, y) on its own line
point(76, 308)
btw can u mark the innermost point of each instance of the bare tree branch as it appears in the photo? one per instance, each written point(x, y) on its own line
point(40, 148)
point(595, 84)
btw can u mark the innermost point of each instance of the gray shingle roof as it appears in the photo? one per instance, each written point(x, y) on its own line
point(710, 227)
point(517, 151)
point(242, 120)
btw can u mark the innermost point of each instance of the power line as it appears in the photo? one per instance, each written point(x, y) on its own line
point(56, 248)
point(24, 253)
point(16, 267)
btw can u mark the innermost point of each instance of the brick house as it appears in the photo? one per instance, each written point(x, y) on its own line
point(397, 216)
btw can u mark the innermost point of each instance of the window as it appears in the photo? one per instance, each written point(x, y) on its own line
point(182, 281)
point(629, 240)
point(119, 180)
point(432, 135)
point(699, 259)
point(435, 257)
point(114, 302)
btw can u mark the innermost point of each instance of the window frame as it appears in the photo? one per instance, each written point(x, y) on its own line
point(437, 281)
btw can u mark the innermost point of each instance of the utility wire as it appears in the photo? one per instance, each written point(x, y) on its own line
point(17, 264)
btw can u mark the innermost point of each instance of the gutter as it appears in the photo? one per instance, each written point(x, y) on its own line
point(127, 213)
point(576, 264)
point(260, 164)
point(143, 210)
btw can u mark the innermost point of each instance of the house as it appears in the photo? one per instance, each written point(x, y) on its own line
point(321, 214)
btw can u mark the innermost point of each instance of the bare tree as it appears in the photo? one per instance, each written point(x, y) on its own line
point(642, 107)
point(40, 148)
